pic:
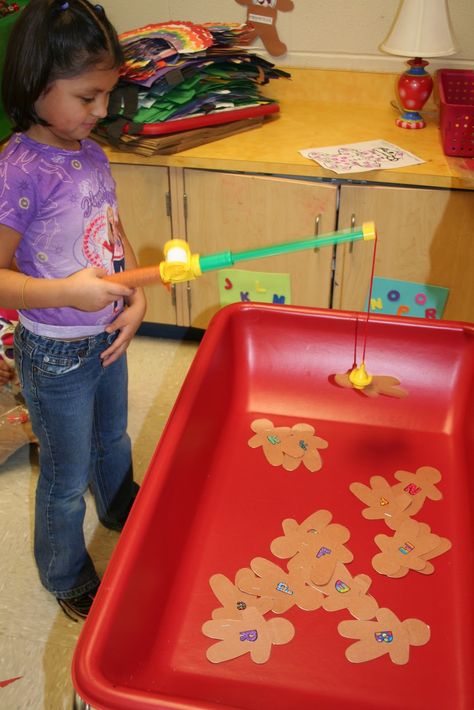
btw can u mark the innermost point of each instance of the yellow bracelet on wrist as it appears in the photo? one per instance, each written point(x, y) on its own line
point(23, 305)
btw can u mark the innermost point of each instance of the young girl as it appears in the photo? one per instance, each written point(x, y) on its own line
point(56, 197)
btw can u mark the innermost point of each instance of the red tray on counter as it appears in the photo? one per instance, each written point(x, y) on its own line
point(214, 118)
point(210, 504)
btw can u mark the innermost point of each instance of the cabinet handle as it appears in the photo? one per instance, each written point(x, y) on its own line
point(189, 295)
point(316, 230)
point(353, 221)
point(173, 295)
point(168, 204)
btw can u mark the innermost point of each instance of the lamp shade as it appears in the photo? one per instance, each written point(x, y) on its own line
point(421, 29)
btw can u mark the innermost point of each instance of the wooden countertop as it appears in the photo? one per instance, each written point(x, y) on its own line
point(322, 108)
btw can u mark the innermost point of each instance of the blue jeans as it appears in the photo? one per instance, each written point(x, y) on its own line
point(78, 411)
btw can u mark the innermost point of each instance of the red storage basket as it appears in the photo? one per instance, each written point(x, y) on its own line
point(456, 93)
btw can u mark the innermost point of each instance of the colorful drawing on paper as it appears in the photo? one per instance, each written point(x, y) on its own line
point(406, 298)
point(253, 286)
point(361, 157)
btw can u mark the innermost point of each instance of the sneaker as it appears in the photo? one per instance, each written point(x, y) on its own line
point(78, 606)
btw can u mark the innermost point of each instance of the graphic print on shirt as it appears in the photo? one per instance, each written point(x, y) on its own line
point(5, 209)
point(53, 167)
point(95, 245)
point(102, 244)
point(115, 241)
point(45, 237)
point(115, 245)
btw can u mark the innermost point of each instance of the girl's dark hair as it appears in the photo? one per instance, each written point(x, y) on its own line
point(53, 39)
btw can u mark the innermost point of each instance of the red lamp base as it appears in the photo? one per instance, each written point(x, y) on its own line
point(414, 89)
point(410, 122)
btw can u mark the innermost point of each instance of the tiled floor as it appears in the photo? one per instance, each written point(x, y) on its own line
point(36, 638)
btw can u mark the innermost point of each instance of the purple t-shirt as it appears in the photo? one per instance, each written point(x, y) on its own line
point(63, 203)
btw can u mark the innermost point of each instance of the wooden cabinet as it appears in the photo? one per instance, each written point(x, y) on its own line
point(424, 236)
point(144, 196)
point(216, 211)
point(239, 212)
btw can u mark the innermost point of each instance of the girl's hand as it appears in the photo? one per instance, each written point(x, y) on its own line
point(87, 291)
point(127, 323)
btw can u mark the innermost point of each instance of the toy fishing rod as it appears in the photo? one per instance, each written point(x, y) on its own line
point(180, 265)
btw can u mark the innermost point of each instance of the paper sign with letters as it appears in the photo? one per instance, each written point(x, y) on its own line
point(240, 285)
point(405, 298)
point(361, 157)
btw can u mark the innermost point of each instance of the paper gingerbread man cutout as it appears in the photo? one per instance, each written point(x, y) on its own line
point(444, 546)
point(419, 486)
point(343, 591)
point(251, 634)
point(380, 384)
point(304, 445)
point(288, 447)
point(315, 546)
point(383, 502)
point(233, 600)
point(295, 536)
point(385, 634)
point(268, 581)
point(262, 16)
point(405, 550)
point(271, 439)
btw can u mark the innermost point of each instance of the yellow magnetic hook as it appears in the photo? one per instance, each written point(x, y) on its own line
point(359, 378)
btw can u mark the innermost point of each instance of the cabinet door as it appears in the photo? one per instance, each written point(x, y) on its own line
point(142, 192)
point(424, 236)
point(227, 211)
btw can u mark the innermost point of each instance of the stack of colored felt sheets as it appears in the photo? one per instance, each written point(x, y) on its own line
point(179, 77)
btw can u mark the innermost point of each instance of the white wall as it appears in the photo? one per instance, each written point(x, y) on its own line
point(318, 33)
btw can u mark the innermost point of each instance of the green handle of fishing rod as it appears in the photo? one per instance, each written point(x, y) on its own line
point(224, 259)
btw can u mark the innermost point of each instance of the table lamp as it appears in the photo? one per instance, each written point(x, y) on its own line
point(421, 29)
